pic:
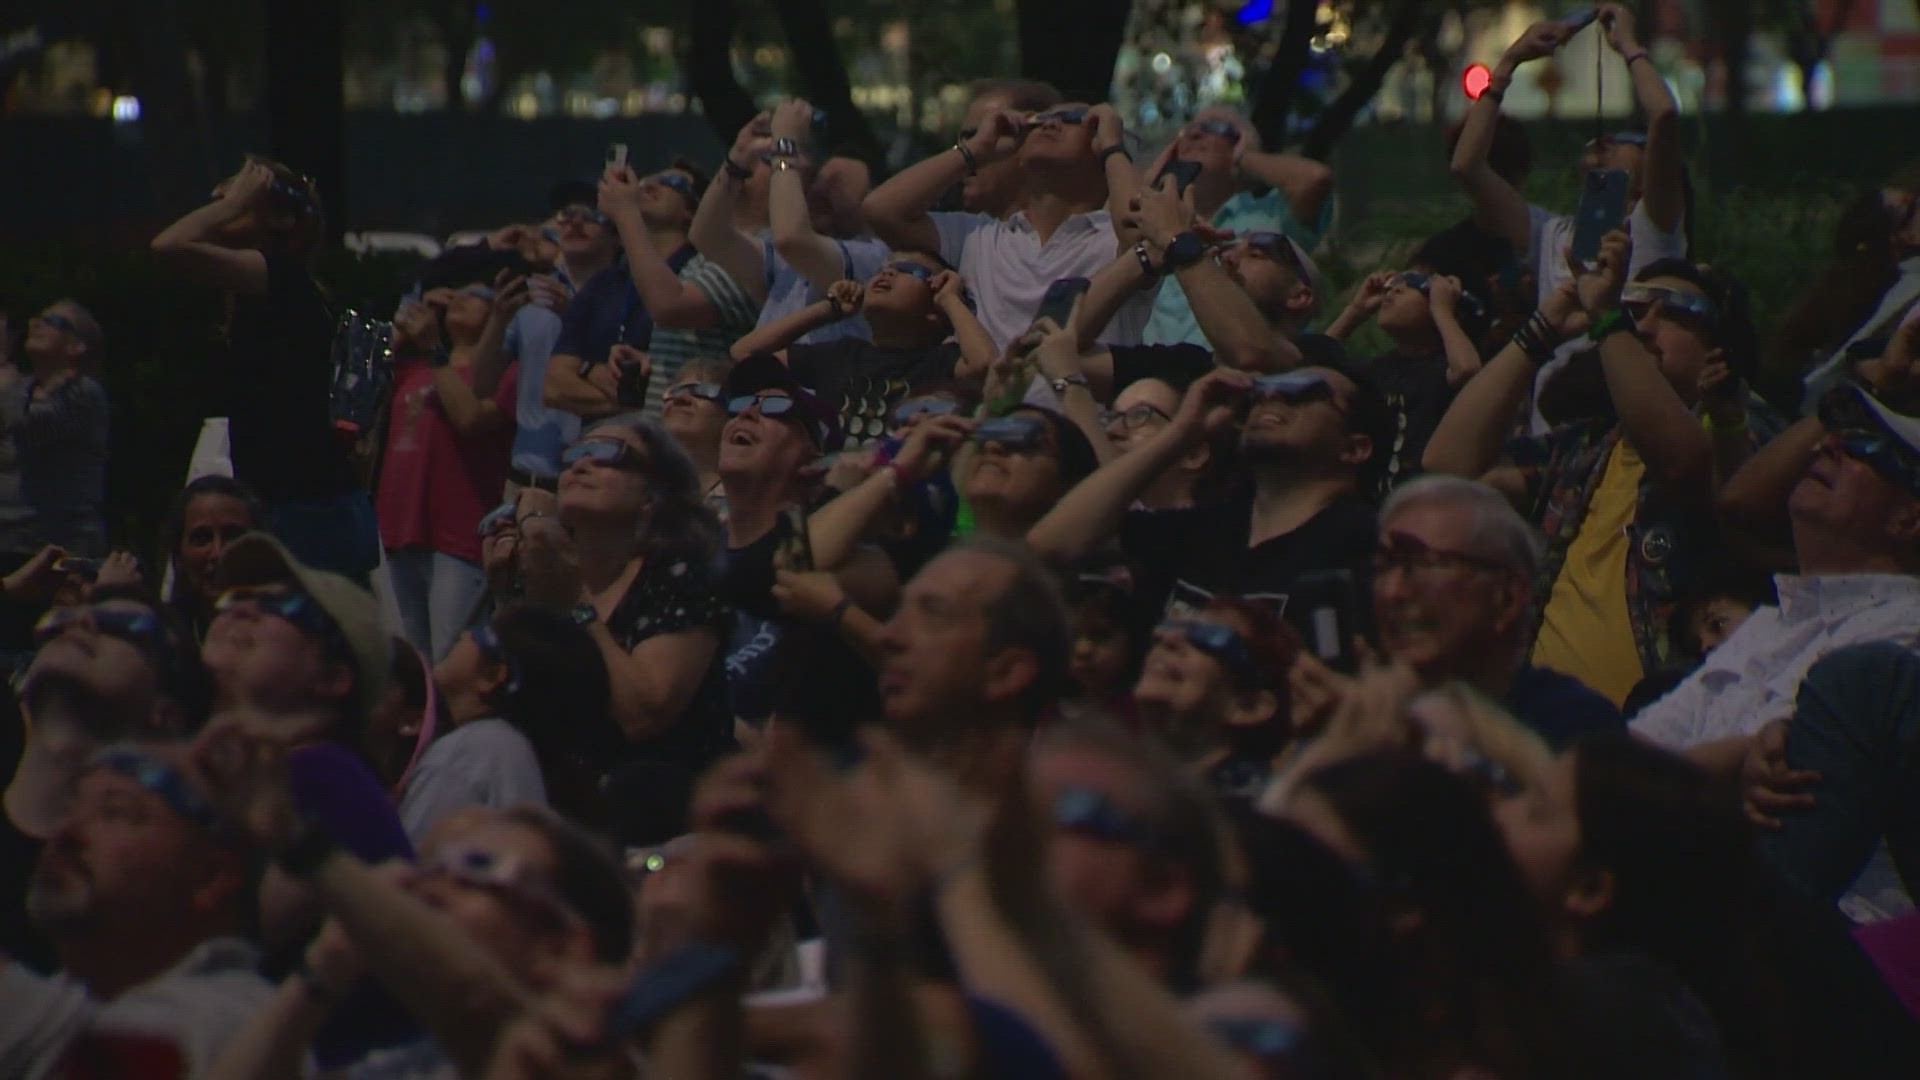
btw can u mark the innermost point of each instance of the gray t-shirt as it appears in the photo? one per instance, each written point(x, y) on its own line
point(480, 763)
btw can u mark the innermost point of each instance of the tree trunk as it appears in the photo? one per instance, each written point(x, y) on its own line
point(306, 97)
point(709, 67)
point(1073, 44)
point(816, 58)
point(1338, 118)
point(1275, 102)
point(457, 34)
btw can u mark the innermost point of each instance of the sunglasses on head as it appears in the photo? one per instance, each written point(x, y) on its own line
point(913, 270)
point(1017, 433)
point(479, 868)
point(487, 640)
point(1688, 307)
point(679, 182)
point(580, 212)
point(1133, 416)
point(1076, 114)
point(908, 411)
point(606, 453)
point(1297, 388)
point(1089, 813)
point(163, 780)
point(705, 391)
point(1223, 643)
point(57, 321)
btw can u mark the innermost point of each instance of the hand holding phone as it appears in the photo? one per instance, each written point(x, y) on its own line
point(617, 155)
point(1184, 173)
point(1060, 299)
point(1603, 208)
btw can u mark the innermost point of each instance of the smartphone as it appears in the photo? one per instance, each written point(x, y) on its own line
point(1603, 208)
point(1324, 606)
point(1184, 173)
point(1580, 20)
point(616, 155)
point(798, 547)
point(1060, 298)
point(77, 566)
point(667, 984)
point(497, 518)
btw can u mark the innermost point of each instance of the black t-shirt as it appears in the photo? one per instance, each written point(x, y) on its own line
point(1418, 392)
point(863, 381)
point(1189, 556)
point(1180, 365)
point(278, 378)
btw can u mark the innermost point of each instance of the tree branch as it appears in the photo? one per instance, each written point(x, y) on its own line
point(709, 67)
point(822, 71)
point(1275, 102)
point(1337, 119)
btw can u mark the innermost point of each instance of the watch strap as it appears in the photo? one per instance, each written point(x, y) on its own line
point(1613, 322)
point(1117, 148)
point(1186, 249)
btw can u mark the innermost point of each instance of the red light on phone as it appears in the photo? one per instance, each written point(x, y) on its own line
point(1475, 80)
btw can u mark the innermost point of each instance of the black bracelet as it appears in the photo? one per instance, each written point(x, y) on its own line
point(311, 846)
point(736, 171)
point(1146, 261)
point(840, 612)
point(1533, 345)
point(1117, 148)
point(966, 155)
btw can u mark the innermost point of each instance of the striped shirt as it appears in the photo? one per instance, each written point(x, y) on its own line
point(672, 348)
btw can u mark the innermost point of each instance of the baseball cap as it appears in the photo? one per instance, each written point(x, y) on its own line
point(259, 559)
point(765, 371)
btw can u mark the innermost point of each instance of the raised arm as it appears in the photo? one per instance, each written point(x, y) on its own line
point(470, 415)
point(589, 396)
point(1094, 508)
point(670, 302)
point(713, 232)
point(843, 302)
point(1662, 175)
point(1123, 176)
point(834, 531)
point(977, 350)
point(1226, 314)
point(1305, 182)
point(1363, 305)
point(1497, 206)
point(1468, 440)
point(897, 210)
point(490, 357)
point(819, 259)
point(1463, 356)
point(188, 244)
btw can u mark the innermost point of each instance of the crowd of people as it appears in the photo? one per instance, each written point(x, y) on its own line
point(986, 621)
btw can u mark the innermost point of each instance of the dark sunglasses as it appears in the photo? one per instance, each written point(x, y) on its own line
point(705, 391)
point(1089, 813)
point(773, 408)
point(913, 270)
point(58, 322)
point(1491, 777)
point(142, 628)
point(1884, 454)
point(1618, 138)
point(163, 780)
point(207, 534)
point(1016, 433)
point(296, 607)
point(1276, 246)
point(1297, 388)
point(479, 868)
point(676, 181)
point(908, 411)
point(487, 640)
point(1265, 1038)
point(1134, 416)
point(1422, 282)
point(1682, 307)
point(1223, 643)
point(606, 453)
point(1217, 127)
point(1075, 115)
point(580, 212)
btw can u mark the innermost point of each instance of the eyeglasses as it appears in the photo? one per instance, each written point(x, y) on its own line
point(1135, 416)
point(207, 534)
point(908, 411)
point(1276, 246)
point(163, 780)
point(58, 322)
point(773, 408)
point(1073, 115)
point(1222, 128)
point(1019, 434)
point(914, 270)
point(487, 640)
point(606, 453)
point(705, 391)
point(679, 182)
point(1399, 551)
point(584, 213)
point(479, 868)
point(1221, 642)
point(1266, 1038)
point(1089, 813)
point(294, 606)
point(1683, 307)
point(1298, 388)
point(1884, 454)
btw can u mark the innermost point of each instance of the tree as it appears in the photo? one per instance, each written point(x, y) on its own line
point(1405, 19)
point(1072, 43)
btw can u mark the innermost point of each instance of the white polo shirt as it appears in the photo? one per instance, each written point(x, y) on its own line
point(1008, 270)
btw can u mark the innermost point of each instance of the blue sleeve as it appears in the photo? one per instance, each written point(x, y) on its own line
point(1010, 1049)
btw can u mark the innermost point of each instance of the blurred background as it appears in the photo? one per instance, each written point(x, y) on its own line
point(430, 117)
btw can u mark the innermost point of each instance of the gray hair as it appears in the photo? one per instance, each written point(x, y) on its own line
point(1499, 532)
point(678, 524)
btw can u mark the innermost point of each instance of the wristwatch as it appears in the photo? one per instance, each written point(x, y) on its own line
point(785, 148)
point(1060, 384)
point(1185, 250)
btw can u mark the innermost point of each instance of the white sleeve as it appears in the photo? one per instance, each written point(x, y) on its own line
point(40, 1018)
point(954, 228)
point(1650, 244)
point(1674, 721)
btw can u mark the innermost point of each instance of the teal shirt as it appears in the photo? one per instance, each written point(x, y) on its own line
point(1172, 321)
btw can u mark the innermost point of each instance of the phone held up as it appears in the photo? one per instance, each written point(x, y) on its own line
point(1184, 173)
point(1060, 299)
point(1603, 208)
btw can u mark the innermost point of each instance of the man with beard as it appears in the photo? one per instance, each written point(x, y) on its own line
point(147, 900)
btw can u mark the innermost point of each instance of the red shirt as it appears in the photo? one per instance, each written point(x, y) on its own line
point(435, 485)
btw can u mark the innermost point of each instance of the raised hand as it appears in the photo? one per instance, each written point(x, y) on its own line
point(793, 120)
point(846, 298)
point(1542, 39)
point(1768, 785)
point(930, 445)
point(811, 596)
point(1209, 404)
point(121, 569)
point(1598, 287)
point(1108, 129)
point(999, 137)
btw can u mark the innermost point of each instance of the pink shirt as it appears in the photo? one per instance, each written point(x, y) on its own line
point(435, 485)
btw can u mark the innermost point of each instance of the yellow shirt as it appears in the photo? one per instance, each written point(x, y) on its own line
point(1586, 631)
